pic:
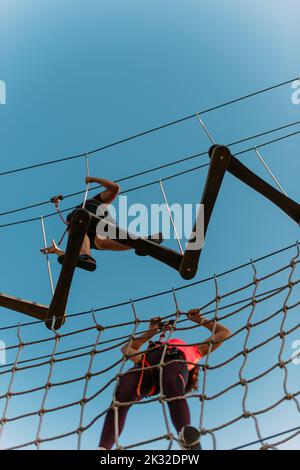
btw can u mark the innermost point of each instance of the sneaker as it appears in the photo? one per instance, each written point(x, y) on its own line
point(189, 438)
point(155, 237)
point(84, 262)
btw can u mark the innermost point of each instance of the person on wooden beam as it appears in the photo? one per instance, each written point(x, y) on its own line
point(179, 377)
point(98, 204)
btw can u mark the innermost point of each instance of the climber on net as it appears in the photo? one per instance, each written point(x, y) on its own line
point(98, 205)
point(179, 376)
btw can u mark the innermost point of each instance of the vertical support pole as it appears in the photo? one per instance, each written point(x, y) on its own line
point(170, 215)
point(270, 172)
point(88, 375)
point(161, 365)
point(115, 404)
point(14, 370)
point(47, 256)
point(210, 345)
point(87, 171)
point(220, 158)
point(205, 129)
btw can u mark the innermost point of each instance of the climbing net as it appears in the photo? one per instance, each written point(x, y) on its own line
point(57, 389)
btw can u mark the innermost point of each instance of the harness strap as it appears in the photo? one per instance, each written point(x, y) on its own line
point(62, 237)
point(138, 390)
point(60, 215)
point(144, 363)
point(56, 200)
point(182, 379)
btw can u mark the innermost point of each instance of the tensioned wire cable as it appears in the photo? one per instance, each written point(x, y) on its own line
point(166, 165)
point(267, 438)
point(149, 131)
point(169, 291)
point(56, 339)
point(245, 381)
point(242, 152)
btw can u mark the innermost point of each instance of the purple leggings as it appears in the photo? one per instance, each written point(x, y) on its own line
point(175, 376)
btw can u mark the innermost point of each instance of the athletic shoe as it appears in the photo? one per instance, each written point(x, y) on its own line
point(189, 438)
point(155, 238)
point(84, 262)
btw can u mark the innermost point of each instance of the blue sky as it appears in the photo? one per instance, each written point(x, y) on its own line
point(80, 75)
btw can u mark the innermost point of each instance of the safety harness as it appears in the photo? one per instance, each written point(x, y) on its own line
point(165, 326)
point(56, 200)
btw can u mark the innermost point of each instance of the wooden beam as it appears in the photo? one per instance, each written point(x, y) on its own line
point(220, 158)
point(32, 309)
point(165, 255)
point(79, 227)
point(240, 171)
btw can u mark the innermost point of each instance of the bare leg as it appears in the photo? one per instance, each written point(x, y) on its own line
point(86, 246)
point(107, 244)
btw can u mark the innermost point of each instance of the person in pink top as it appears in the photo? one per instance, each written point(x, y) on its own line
point(179, 376)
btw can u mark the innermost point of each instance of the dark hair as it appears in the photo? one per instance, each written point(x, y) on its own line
point(192, 383)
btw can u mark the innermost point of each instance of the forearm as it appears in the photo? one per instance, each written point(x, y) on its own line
point(139, 342)
point(134, 346)
point(106, 183)
point(213, 326)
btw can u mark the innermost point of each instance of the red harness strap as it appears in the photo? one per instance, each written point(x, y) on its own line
point(144, 363)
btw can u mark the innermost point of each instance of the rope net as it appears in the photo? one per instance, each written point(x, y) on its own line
point(55, 390)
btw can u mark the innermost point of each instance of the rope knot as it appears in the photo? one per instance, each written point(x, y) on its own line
point(266, 446)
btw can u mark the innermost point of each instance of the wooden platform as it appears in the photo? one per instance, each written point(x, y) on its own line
point(220, 160)
point(150, 248)
point(187, 264)
point(240, 171)
point(79, 227)
point(32, 309)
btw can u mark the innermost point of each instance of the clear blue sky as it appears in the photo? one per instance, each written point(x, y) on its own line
point(80, 75)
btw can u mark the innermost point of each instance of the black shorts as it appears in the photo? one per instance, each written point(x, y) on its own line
point(92, 207)
point(153, 358)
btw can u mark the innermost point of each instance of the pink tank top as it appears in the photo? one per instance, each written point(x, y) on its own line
point(191, 353)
